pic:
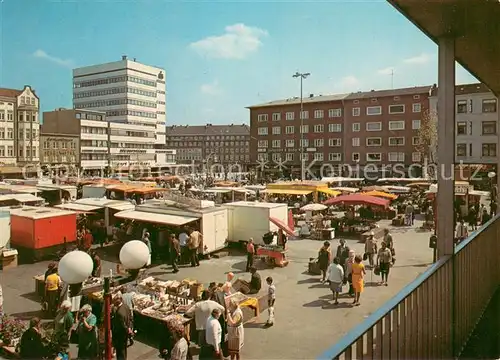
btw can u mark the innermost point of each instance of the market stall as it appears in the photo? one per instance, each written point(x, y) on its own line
point(314, 189)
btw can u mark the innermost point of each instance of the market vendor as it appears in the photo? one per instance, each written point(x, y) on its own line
point(201, 312)
point(255, 284)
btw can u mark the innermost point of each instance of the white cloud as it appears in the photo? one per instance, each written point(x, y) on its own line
point(348, 84)
point(211, 89)
point(61, 62)
point(420, 59)
point(237, 42)
point(386, 71)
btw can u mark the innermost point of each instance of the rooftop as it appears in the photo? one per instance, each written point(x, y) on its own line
point(12, 93)
point(208, 129)
point(339, 97)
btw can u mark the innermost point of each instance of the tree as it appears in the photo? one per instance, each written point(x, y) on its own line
point(427, 140)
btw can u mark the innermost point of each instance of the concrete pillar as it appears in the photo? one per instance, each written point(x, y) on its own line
point(446, 146)
point(498, 153)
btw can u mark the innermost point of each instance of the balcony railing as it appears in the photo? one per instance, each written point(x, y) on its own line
point(433, 317)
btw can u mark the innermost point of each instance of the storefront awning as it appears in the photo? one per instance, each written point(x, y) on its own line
point(282, 226)
point(122, 206)
point(165, 219)
point(78, 207)
point(287, 192)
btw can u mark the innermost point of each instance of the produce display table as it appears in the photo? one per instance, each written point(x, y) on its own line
point(275, 255)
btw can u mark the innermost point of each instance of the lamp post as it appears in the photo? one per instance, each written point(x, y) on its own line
point(301, 76)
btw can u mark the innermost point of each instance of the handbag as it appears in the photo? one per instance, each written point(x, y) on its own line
point(365, 256)
point(376, 271)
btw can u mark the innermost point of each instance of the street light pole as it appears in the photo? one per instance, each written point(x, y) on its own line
point(302, 76)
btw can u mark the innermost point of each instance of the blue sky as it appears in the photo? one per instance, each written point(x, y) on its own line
point(220, 56)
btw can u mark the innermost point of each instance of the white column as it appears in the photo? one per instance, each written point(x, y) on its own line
point(446, 146)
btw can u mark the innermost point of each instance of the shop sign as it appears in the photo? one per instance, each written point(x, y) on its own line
point(463, 189)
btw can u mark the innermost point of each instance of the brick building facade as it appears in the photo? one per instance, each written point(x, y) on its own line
point(357, 129)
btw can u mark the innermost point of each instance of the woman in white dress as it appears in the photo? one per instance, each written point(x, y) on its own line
point(235, 331)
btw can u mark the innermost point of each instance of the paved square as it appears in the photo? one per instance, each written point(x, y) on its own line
point(306, 322)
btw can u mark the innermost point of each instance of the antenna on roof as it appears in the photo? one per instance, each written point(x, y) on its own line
point(392, 78)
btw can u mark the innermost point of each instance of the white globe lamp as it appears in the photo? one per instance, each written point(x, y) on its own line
point(134, 255)
point(491, 174)
point(75, 267)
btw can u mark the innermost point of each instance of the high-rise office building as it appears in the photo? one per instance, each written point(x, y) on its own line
point(133, 97)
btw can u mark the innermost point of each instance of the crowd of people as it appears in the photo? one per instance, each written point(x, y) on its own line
point(347, 268)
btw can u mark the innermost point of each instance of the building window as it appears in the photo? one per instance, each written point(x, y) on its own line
point(373, 157)
point(355, 157)
point(356, 127)
point(396, 109)
point(290, 115)
point(276, 143)
point(334, 127)
point(290, 143)
point(462, 106)
point(416, 97)
point(318, 156)
point(416, 157)
point(304, 129)
point(276, 116)
point(304, 115)
point(356, 142)
point(319, 142)
point(462, 128)
point(262, 157)
point(489, 127)
point(262, 130)
point(334, 142)
point(415, 124)
point(417, 107)
point(276, 130)
point(397, 141)
point(334, 157)
point(319, 128)
point(262, 117)
point(289, 156)
point(396, 157)
point(461, 149)
point(489, 150)
point(489, 106)
point(304, 156)
point(318, 114)
point(415, 140)
point(276, 157)
point(304, 142)
point(356, 111)
point(374, 110)
point(373, 126)
point(374, 141)
point(332, 113)
point(396, 125)
point(10, 151)
point(290, 130)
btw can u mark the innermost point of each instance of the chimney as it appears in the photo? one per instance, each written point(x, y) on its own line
point(311, 95)
point(124, 57)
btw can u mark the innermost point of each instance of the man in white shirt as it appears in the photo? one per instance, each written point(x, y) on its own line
point(213, 336)
point(202, 311)
point(183, 240)
point(335, 279)
point(461, 232)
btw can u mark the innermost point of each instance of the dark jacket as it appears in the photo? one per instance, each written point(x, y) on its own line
point(120, 323)
point(31, 345)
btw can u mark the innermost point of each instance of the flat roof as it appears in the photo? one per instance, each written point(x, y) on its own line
point(38, 212)
point(255, 204)
point(305, 100)
point(166, 219)
point(474, 23)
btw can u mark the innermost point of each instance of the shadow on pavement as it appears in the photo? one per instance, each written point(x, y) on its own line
point(308, 281)
point(315, 303)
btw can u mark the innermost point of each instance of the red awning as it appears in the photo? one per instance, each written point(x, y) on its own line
point(282, 226)
point(357, 199)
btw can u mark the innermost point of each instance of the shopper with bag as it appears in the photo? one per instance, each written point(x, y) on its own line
point(384, 262)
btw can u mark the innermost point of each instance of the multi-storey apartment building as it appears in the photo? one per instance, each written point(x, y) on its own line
point(476, 132)
point(19, 126)
point(75, 137)
point(222, 144)
point(382, 127)
point(357, 129)
point(133, 97)
point(278, 134)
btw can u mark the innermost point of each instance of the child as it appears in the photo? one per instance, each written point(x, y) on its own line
point(271, 298)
